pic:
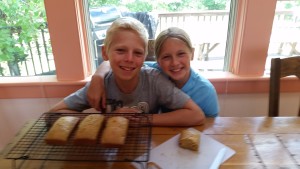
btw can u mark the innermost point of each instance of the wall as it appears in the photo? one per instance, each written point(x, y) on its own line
point(16, 112)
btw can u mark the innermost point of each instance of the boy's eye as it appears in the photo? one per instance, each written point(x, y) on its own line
point(120, 50)
point(139, 53)
point(165, 57)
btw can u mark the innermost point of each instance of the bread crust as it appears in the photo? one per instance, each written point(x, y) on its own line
point(88, 130)
point(61, 130)
point(189, 139)
point(115, 132)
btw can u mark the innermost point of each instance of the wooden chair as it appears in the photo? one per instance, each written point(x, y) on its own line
point(151, 55)
point(281, 68)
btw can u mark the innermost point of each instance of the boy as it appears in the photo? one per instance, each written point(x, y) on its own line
point(135, 88)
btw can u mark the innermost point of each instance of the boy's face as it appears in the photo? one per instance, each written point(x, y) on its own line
point(126, 55)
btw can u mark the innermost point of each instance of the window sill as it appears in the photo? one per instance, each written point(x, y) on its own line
point(37, 87)
point(49, 87)
point(228, 83)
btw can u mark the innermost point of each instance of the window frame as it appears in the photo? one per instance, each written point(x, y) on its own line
point(73, 68)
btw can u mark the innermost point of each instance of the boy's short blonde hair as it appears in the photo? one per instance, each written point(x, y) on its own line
point(126, 23)
point(172, 32)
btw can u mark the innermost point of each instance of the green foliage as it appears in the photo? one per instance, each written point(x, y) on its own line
point(288, 6)
point(139, 5)
point(214, 4)
point(174, 6)
point(97, 3)
point(10, 50)
point(166, 6)
point(19, 24)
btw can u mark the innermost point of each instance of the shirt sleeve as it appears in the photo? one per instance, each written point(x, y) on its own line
point(203, 93)
point(169, 95)
point(211, 106)
point(78, 100)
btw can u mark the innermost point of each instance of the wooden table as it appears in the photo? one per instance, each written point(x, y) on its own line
point(259, 142)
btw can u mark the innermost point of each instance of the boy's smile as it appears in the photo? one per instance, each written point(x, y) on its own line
point(127, 68)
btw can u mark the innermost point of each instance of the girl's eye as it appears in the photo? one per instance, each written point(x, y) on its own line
point(181, 54)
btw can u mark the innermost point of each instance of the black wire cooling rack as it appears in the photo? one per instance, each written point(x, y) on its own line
point(33, 147)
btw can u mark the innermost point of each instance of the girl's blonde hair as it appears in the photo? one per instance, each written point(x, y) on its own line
point(172, 32)
point(126, 23)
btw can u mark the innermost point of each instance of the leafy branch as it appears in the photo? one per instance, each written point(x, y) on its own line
point(19, 25)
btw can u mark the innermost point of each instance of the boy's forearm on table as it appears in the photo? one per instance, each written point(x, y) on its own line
point(178, 118)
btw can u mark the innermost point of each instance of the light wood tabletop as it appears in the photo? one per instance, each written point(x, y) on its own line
point(259, 142)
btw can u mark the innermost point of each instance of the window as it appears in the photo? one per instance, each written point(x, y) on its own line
point(205, 21)
point(285, 32)
point(66, 25)
point(25, 48)
point(209, 31)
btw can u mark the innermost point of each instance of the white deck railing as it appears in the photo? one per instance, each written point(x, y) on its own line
point(208, 31)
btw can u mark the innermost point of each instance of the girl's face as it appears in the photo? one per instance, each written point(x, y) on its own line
point(174, 59)
point(126, 56)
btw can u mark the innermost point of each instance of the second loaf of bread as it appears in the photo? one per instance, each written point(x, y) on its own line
point(115, 131)
point(88, 130)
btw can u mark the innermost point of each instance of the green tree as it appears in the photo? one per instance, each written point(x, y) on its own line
point(97, 3)
point(214, 4)
point(140, 5)
point(166, 6)
point(20, 21)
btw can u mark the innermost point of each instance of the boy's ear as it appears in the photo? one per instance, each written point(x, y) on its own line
point(104, 53)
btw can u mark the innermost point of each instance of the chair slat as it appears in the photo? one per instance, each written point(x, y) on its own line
point(281, 68)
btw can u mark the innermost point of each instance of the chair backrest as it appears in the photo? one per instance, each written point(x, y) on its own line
point(151, 55)
point(281, 68)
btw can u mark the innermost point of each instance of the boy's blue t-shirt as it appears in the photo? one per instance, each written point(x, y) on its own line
point(200, 90)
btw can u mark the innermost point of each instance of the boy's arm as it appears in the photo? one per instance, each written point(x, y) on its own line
point(61, 107)
point(96, 90)
point(189, 115)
